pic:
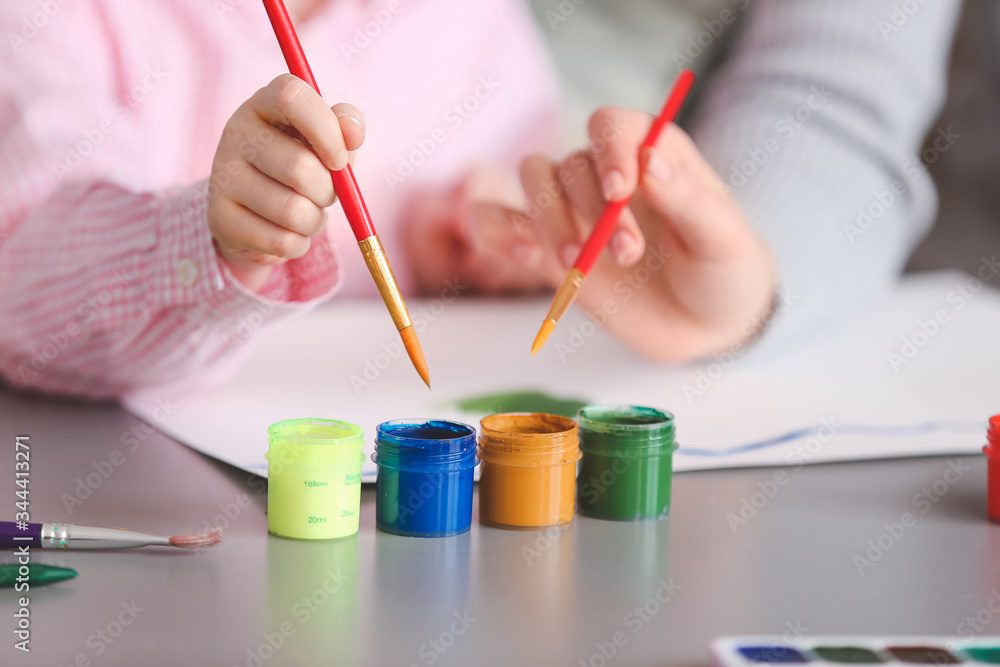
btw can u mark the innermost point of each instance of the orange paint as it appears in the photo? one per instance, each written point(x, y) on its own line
point(528, 475)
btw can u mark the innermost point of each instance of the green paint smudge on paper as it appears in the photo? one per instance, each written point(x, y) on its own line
point(522, 401)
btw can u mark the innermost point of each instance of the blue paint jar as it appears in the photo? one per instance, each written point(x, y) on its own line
point(425, 475)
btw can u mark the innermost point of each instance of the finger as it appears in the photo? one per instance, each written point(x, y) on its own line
point(292, 163)
point(578, 177)
point(493, 185)
point(505, 258)
point(289, 101)
point(246, 232)
point(578, 183)
point(352, 125)
point(615, 137)
point(492, 203)
point(706, 224)
point(549, 212)
point(496, 229)
point(277, 203)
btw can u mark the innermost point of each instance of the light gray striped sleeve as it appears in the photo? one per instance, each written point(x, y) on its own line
point(815, 121)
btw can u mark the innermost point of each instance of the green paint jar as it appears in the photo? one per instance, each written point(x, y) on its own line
point(627, 462)
point(314, 479)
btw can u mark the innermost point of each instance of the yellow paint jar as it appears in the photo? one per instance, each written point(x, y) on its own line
point(314, 479)
point(528, 475)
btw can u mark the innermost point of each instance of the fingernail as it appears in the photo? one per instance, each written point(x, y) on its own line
point(357, 121)
point(340, 160)
point(354, 119)
point(525, 253)
point(613, 186)
point(569, 254)
point(657, 166)
point(624, 247)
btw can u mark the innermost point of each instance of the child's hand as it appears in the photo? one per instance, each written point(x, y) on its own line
point(271, 175)
point(452, 236)
point(684, 275)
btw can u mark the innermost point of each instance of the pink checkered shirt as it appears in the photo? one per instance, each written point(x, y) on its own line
point(110, 112)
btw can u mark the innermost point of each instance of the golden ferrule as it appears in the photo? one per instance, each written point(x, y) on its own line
point(378, 265)
point(566, 295)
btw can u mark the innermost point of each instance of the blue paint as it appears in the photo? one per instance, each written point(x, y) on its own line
point(771, 654)
point(425, 475)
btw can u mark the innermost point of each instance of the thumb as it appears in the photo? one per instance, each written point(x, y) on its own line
point(697, 210)
point(352, 125)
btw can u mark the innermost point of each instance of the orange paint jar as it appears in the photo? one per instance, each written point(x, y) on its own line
point(528, 475)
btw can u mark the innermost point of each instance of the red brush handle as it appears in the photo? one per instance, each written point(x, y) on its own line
point(606, 224)
point(344, 182)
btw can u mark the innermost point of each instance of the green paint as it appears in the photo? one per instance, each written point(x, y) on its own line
point(521, 401)
point(851, 654)
point(627, 462)
point(38, 575)
point(987, 654)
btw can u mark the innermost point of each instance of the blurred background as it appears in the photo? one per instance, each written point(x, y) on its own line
point(968, 222)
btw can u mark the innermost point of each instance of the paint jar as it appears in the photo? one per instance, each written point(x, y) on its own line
point(425, 476)
point(528, 478)
point(992, 451)
point(314, 479)
point(985, 654)
point(627, 462)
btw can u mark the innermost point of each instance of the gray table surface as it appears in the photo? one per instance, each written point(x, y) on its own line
point(489, 597)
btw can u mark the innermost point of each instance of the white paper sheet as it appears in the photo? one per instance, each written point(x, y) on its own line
point(838, 399)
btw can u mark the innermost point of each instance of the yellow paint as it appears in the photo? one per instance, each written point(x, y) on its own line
point(314, 479)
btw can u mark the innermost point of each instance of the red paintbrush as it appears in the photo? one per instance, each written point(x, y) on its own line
point(606, 224)
point(350, 198)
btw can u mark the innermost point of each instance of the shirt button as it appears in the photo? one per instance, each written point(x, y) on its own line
point(187, 272)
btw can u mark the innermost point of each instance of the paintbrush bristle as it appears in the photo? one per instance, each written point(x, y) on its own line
point(200, 540)
point(548, 326)
point(415, 352)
